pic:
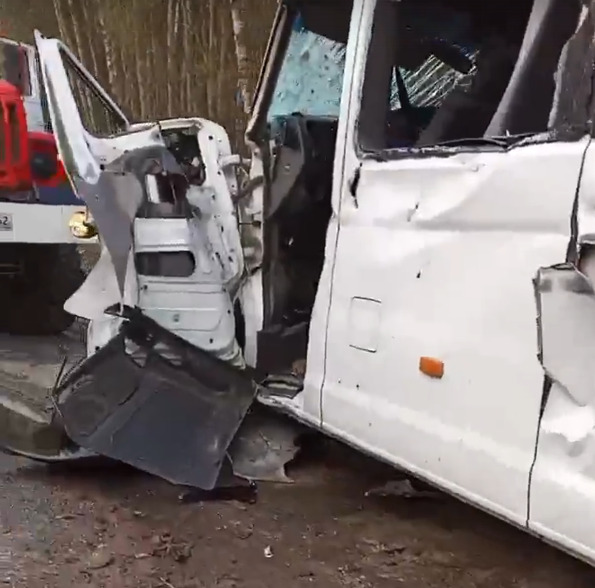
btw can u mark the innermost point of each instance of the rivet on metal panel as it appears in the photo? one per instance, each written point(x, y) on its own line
point(430, 366)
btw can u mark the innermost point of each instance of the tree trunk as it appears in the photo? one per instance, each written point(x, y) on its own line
point(61, 22)
point(86, 101)
point(139, 62)
point(108, 49)
point(238, 25)
point(211, 97)
point(185, 86)
point(173, 25)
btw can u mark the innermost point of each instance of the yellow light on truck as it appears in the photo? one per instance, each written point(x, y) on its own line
point(81, 226)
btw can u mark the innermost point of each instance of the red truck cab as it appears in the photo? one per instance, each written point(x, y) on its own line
point(27, 159)
point(15, 165)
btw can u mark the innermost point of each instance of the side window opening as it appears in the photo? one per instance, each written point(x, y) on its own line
point(14, 66)
point(97, 116)
point(439, 72)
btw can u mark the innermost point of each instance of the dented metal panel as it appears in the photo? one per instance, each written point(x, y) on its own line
point(564, 295)
point(562, 483)
point(112, 199)
point(562, 493)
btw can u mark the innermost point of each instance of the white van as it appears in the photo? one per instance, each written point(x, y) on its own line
point(408, 267)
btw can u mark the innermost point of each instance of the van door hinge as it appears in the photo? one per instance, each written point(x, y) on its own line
point(354, 184)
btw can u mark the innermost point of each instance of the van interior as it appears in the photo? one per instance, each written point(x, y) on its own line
point(439, 72)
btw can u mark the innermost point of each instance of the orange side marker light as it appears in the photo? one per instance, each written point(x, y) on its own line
point(432, 367)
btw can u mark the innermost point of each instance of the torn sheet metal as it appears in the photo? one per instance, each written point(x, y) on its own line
point(264, 445)
point(565, 302)
point(112, 199)
point(100, 289)
point(153, 401)
point(120, 191)
point(109, 177)
point(566, 305)
point(573, 103)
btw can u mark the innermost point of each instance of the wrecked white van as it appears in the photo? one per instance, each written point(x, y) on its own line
point(408, 267)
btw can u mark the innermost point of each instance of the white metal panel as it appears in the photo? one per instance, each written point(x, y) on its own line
point(562, 495)
point(198, 307)
point(448, 246)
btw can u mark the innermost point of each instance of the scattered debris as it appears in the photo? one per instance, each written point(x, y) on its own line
point(394, 549)
point(245, 533)
point(388, 549)
point(268, 552)
point(165, 546)
point(100, 558)
point(401, 489)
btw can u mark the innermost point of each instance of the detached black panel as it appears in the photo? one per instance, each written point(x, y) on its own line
point(174, 418)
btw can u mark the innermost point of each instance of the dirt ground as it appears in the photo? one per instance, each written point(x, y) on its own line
point(115, 527)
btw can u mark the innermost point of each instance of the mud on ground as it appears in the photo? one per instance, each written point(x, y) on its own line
point(115, 527)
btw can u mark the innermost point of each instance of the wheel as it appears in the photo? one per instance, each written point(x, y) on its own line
point(33, 298)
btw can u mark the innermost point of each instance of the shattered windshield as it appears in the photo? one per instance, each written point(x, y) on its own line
point(311, 77)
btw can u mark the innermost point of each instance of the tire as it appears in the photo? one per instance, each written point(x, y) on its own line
point(33, 300)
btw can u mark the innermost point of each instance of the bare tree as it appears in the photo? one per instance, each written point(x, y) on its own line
point(61, 18)
point(238, 26)
point(108, 48)
point(159, 57)
point(187, 42)
point(173, 27)
point(136, 31)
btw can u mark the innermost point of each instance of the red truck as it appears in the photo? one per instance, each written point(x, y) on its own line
point(40, 266)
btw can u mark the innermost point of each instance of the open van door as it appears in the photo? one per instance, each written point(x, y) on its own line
point(164, 387)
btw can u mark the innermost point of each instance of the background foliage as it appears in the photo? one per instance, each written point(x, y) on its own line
point(159, 58)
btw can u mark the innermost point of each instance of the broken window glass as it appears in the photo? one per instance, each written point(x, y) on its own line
point(437, 72)
point(14, 67)
point(430, 83)
point(311, 78)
